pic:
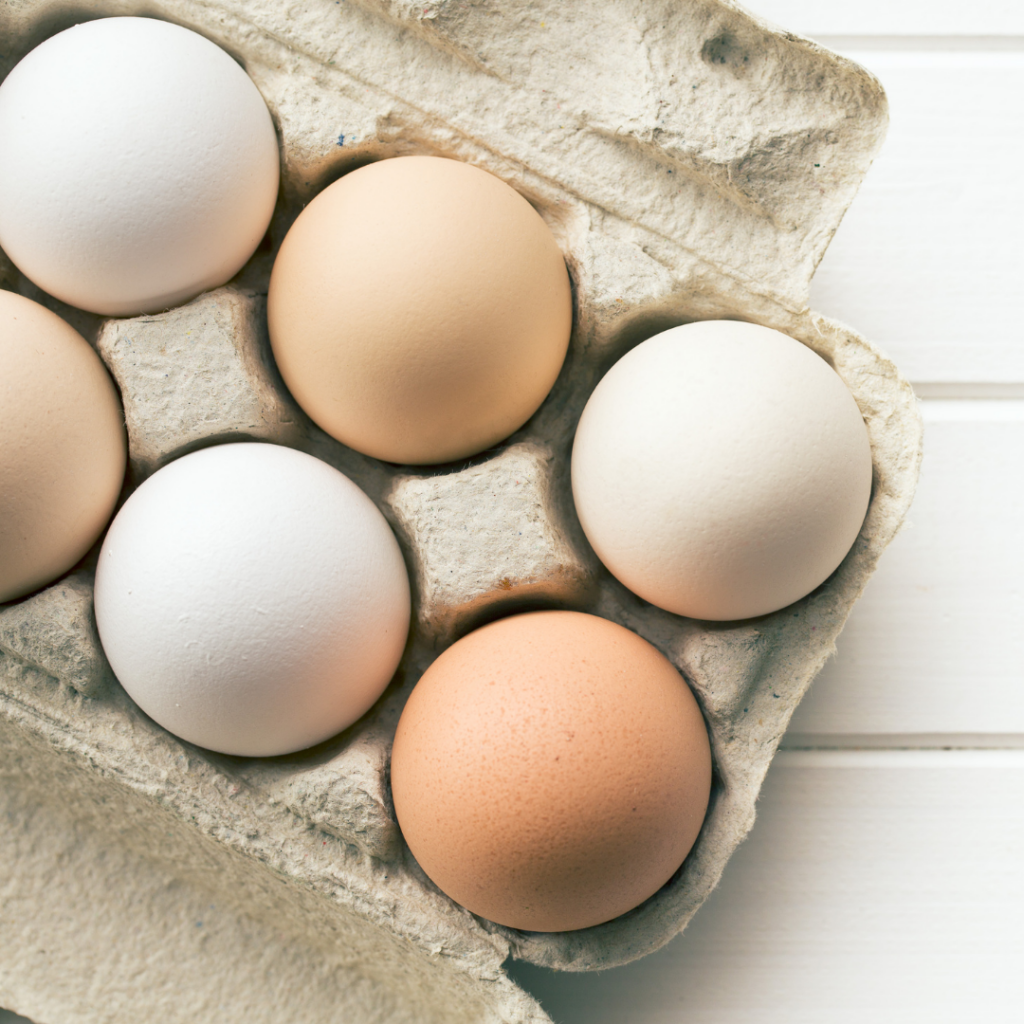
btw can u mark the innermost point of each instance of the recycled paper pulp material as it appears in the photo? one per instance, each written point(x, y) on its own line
point(693, 162)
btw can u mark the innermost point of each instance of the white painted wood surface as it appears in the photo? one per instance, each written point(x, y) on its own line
point(877, 886)
point(927, 262)
point(934, 651)
point(885, 884)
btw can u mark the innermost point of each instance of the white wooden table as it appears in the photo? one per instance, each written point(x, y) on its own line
point(884, 879)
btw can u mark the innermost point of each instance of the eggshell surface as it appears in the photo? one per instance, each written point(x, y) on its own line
point(419, 310)
point(252, 599)
point(62, 446)
point(551, 771)
point(721, 470)
point(138, 165)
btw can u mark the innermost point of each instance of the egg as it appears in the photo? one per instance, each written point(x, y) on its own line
point(419, 310)
point(252, 599)
point(551, 771)
point(62, 446)
point(721, 470)
point(138, 165)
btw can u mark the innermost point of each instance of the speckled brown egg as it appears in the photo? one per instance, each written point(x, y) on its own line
point(419, 310)
point(551, 771)
point(62, 446)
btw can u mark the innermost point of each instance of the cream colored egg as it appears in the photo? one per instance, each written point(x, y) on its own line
point(721, 470)
point(419, 310)
point(62, 446)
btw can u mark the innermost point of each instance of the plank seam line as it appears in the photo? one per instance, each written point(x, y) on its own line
point(969, 390)
point(931, 44)
point(902, 741)
point(953, 760)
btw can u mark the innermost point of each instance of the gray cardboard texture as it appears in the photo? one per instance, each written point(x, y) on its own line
point(693, 162)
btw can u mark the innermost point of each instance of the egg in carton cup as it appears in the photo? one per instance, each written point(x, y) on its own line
point(692, 162)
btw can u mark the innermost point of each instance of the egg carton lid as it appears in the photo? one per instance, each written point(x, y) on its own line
point(693, 162)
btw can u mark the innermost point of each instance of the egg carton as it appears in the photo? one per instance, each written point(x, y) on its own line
point(693, 163)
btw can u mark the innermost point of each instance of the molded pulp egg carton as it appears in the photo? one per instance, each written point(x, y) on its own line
point(693, 163)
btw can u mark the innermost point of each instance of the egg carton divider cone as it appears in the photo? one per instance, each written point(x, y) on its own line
point(693, 163)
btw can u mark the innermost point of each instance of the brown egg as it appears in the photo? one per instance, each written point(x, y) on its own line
point(419, 310)
point(551, 771)
point(62, 446)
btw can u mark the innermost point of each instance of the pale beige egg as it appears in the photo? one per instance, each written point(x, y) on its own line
point(62, 446)
point(551, 771)
point(419, 310)
point(721, 470)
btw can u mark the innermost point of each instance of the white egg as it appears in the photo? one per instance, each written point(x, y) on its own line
point(252, 599)
point(721, 470)
point(138, 165)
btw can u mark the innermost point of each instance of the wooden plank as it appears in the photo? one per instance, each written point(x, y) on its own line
point(884, 17)
point(936, 644)
point(927, 262)
point(882, 887)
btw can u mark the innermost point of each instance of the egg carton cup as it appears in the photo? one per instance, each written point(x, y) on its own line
point(693, 162)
